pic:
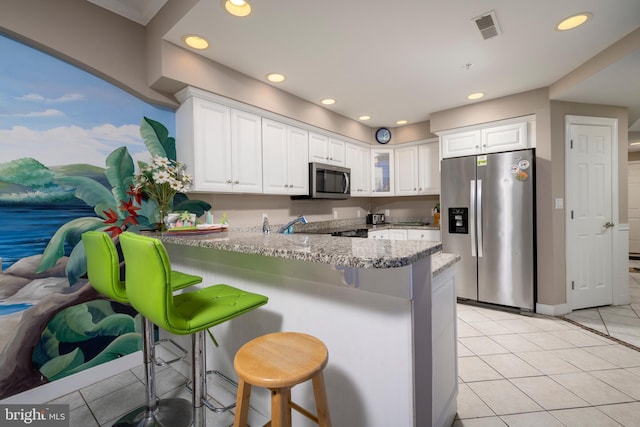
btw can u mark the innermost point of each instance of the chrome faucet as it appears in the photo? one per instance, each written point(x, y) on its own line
point(288, 227)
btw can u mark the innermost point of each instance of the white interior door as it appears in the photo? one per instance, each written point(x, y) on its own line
point(634, 207)
point(589, 215)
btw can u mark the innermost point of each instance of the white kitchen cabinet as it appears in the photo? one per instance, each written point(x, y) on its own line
point(429, 168)
point(461, 144)
point(397, 234)
point(406, 168)
point(504, 138)
point(211, 137)
point(495, 137)
point(417, 169)
point(382, 172)
point(285, 159)
point(378, 234)
point(324, 149)
point(424, 234)
point(357, 159)
point(246, 152)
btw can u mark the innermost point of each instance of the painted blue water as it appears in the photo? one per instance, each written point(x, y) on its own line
point(12, 308)
point(26, 230)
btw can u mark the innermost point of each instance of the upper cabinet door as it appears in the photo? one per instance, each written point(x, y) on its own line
point(406, 161)
point(323, 149)
point(504, 138)
point(203, 132)
point(336, 152)
point(298, 140)
point(382, 175)
point(318, 147)
point(275, 159)
point(246, 155)
point(461, 144)
point(358, 160)
point(429, 168)
point(285, 159)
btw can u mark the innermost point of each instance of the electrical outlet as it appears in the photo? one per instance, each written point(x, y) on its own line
point(386, 212)
point(335, 213)
point(358, 212)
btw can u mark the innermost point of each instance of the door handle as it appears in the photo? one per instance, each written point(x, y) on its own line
point(472, 216)
point(479, 216)
point(608, 224)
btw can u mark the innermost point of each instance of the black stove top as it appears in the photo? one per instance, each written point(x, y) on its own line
point(359, 232)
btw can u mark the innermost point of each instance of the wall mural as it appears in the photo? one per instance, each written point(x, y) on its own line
point(69, 144)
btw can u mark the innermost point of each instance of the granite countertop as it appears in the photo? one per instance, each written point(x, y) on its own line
point(441, 261)
point(321, 248)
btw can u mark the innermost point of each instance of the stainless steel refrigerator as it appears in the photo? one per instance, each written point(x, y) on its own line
point(488, 218)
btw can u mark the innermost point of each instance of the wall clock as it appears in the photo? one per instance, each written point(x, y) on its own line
point(383, 135)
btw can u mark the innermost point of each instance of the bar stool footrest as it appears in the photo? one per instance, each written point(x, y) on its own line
point(182, 350)
point(210, 406)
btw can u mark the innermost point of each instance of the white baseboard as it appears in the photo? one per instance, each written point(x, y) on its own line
point(66, 385)
point(553, 310)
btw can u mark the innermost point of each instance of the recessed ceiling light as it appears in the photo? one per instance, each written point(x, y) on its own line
point(195, 42)
point(476, 95)
point(237, 7)
point(402, 122)
point(328, 101)
point(573, 21)
point(275, 77)
point(364, 117)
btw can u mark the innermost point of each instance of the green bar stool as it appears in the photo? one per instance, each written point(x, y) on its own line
point(148, 277)
point(103, 269)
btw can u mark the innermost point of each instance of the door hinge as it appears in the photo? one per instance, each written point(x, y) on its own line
point(573, 285)
point(571, 214)
point(571, 144)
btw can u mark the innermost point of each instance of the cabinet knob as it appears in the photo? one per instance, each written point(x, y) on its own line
point(228, 181)
point(290, 185)
point(477, 146)
point(236, 182)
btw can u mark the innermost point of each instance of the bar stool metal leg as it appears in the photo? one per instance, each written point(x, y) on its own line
point(198, 369)
point(155, 412)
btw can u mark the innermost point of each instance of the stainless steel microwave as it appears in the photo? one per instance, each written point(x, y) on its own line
point(328, 182)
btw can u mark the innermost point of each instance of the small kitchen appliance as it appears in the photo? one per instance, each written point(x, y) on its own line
point(374, 219)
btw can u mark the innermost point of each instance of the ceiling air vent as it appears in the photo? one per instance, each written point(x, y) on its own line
point(487, 24)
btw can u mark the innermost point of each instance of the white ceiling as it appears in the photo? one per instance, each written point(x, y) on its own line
point(405, 59)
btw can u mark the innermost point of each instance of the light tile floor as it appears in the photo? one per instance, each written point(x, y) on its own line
point(621, 321)
point(513, 370)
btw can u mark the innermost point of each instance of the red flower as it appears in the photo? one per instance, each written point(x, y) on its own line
point(112, 217)
point(129, 208)
point(130, 220)
point(136, 193)
point(113, 231)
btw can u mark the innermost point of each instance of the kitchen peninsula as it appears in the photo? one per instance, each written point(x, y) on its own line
point(385, 309)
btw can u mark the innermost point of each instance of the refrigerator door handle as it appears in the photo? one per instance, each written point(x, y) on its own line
point(472, 216)
point(479, 198)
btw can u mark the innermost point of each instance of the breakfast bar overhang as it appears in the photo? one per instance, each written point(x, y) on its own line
point(385, 309)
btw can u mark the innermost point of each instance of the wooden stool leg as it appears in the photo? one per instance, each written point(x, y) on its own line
point(322, 405)
point(242, 404)
point(280, 409)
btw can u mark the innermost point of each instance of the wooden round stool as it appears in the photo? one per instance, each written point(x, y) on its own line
point(278, 362)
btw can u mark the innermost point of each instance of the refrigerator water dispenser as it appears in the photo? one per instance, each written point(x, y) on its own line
point(459, 220)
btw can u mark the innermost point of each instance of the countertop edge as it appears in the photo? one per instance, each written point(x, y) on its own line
point(368, 253)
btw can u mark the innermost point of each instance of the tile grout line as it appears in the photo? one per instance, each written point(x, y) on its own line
point(602, 334)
